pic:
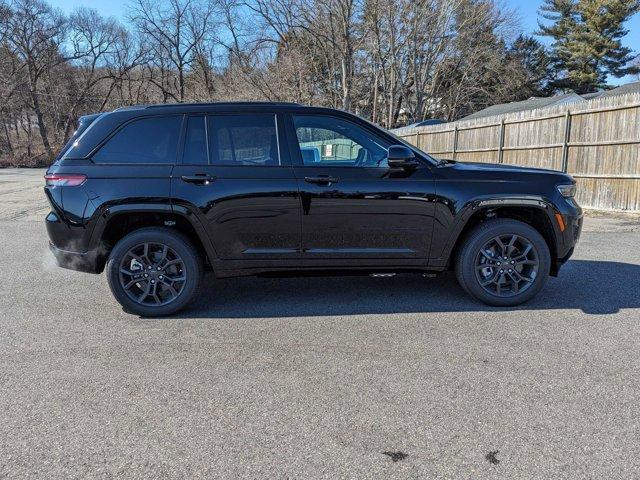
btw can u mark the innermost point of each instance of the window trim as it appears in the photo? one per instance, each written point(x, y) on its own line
point(277, 132)
point(129, 122)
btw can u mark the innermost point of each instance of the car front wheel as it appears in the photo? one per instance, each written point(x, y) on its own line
point(503, 262)
point(154, 271)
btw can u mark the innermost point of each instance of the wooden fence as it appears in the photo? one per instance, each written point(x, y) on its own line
point(596, 141)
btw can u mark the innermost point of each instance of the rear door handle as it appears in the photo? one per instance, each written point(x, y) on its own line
point(322, 180)
point(198, 178)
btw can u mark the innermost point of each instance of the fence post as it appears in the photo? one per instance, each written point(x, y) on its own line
point(501, 142)
point(565, 143)
point(455, 141)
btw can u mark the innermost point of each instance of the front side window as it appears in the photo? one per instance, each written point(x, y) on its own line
point(146, 140)
point(333, 142)
point(249, 140)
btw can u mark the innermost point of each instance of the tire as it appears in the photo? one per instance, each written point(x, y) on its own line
point(175, 278)
point(478, 264)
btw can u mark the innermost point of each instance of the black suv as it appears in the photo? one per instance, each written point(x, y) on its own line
point(160, 193)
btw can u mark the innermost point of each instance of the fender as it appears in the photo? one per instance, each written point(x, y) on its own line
point(105, 214)
point(477, 204)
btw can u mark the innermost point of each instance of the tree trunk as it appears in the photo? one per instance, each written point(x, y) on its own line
point(42, 127)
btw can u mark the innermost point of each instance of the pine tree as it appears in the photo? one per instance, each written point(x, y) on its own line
point(587, 45)
point(530, 68)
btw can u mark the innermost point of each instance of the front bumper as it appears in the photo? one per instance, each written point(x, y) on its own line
point(81, 261)
point(568, 237)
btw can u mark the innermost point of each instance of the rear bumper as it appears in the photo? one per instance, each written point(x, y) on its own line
point(69, 245)
point(81, 261)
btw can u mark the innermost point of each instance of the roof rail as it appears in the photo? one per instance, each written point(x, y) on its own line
point(200, 104)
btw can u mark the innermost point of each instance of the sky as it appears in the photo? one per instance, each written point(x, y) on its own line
point(526, 10)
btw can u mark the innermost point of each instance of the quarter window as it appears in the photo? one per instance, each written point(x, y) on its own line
point(147, 140)
point(333, 142)
point(243, 140)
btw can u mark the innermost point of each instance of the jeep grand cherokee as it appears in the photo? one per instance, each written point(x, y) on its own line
point(157, 194)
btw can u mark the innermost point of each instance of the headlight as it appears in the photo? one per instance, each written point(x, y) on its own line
point(567, 191)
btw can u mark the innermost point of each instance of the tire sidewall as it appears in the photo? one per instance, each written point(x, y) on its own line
point(180, 244)
point(466, 270)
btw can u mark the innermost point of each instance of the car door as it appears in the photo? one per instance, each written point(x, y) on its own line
point(237, 181)
point(355, 209)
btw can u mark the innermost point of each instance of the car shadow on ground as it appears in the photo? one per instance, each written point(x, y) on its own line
point(595, 287)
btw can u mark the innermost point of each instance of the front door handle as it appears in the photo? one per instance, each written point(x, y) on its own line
point(321, 180)
point(198, 178)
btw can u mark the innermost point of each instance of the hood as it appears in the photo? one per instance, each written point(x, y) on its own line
point(498, 171)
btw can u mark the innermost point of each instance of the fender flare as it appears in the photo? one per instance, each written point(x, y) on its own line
point(475, 205)
point(108, 213)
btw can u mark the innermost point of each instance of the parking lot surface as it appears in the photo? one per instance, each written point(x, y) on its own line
point(402, 377)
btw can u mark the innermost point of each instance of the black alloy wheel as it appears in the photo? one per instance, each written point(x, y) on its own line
point(152, 274)
point(507, 265)
point(154, 271)
point(503, 262)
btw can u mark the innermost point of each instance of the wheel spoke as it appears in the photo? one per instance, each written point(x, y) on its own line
point(525, 252)
point(526, 262)
point(170, 287)
point(145, 251)
point(511, 246)
point(128, 272)
point(501, 245)
point(131, 283)
point(514, 283)
point(489, 281)
point(176, 261)
point(163, 256)
point(154, 293)
point(145, 293)
point(181, 278)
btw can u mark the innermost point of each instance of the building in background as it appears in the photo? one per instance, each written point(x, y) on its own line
point(534, 103)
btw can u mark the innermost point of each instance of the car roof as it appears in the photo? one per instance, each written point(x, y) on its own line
point(130, 112)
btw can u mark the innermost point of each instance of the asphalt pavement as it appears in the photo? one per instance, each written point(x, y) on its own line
point(357, 377)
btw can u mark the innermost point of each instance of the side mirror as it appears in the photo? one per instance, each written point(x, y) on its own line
point(400, 156)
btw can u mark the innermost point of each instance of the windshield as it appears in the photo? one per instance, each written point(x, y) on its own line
point(83, 123)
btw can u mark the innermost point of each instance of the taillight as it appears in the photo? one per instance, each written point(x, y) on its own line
point(64, 179)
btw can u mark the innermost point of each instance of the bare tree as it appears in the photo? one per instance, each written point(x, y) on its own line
point(35, 32)
point(173, 30)
point(393, 61)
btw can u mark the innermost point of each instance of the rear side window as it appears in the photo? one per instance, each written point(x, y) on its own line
point(83, 124)
point(146, 140)
point(249, 140)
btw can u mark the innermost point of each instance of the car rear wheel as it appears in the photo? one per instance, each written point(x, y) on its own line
point(503, 262)
point(154, 271)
